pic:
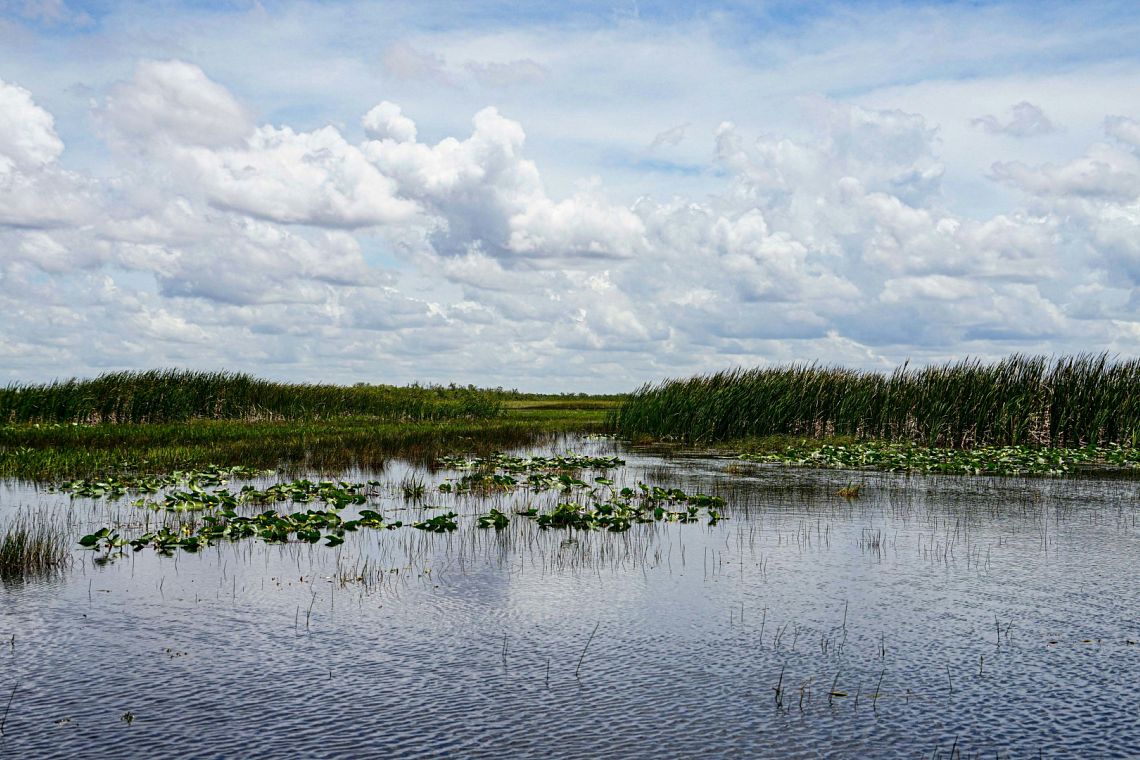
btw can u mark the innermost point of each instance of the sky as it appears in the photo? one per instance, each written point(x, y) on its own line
point(563, 197)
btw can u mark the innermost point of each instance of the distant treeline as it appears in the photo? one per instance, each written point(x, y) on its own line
point(1067, 401)
point(178, 395)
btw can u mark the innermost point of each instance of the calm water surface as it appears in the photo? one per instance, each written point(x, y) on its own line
point(988, 617)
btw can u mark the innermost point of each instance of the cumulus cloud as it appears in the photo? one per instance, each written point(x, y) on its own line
point(196, 127)
point(308, 177)
point(1092, 203)
point(226, 241)
point(175, 103)
point(252, 262)
point(1123, 129)
point(1104, 172)
point(1026, 120)
point(581, 226)
point(488, 197)
point(27, 132)
point(386, 121)
point(35, 191)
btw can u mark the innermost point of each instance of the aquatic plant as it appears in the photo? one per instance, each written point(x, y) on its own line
point(499, 461)
point(413, 488)
point(603, 507)
point(983, 460)
point(106, 540)
point(444, 523)
point(31, 544)
point(271, 526)
point(494, 519)
point(1068, 401)
point(496, 473)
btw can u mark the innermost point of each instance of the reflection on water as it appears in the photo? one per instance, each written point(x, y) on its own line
point(983, 616)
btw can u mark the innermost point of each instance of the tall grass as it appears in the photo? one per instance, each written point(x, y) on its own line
point(179, 395)
point(32, 545)
point(1066, 401)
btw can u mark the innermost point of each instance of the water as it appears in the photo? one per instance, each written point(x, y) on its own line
point(984, 616)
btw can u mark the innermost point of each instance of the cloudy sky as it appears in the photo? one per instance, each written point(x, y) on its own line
point(562, 197)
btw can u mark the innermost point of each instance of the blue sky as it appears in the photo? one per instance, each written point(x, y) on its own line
point(563, 196)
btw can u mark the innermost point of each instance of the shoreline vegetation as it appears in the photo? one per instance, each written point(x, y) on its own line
point(158, 396)
point(1021, 416)
point(162, 420)
point(1066, 402)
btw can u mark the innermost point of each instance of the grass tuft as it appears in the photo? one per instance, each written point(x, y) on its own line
point(33, 545)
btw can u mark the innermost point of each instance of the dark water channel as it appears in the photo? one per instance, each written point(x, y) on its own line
point(929, 616)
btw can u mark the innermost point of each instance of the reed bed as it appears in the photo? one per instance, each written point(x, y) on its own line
point(179, 395)
point(33, 544)
point(1087, 399)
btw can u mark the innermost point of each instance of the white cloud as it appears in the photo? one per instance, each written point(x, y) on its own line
point(34, 190)
point(385, 121)
point(488, 197)
point(27, 132)
point(581, 226)
point(1026, 120)
point(1104, 172)
point(1124, 129)
point(309, 177)
point(197, 129)
point(175, 103)
point(853, 209)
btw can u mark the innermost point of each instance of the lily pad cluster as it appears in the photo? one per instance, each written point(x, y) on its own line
point(339, 495)
point(500, 473)
point(517, 465)
point(483, 483)
point(984, 460)
point(117, 486)
point(627, 507)
point(605, 508)
point(226, 524)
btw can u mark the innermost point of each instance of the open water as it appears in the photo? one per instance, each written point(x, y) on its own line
point(929, 617)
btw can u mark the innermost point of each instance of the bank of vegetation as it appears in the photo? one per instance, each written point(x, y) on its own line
point(163, 420)
point(1073, 401)
point(158, 396)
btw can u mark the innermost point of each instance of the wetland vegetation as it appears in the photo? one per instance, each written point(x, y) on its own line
point(1066, 402)
point(50, 433)
point(179, 395)
point(34, 543)
point(821, 583)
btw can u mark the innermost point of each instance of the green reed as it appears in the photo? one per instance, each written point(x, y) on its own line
point(33, 544)
point(1021, 400)
point(179, 395)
